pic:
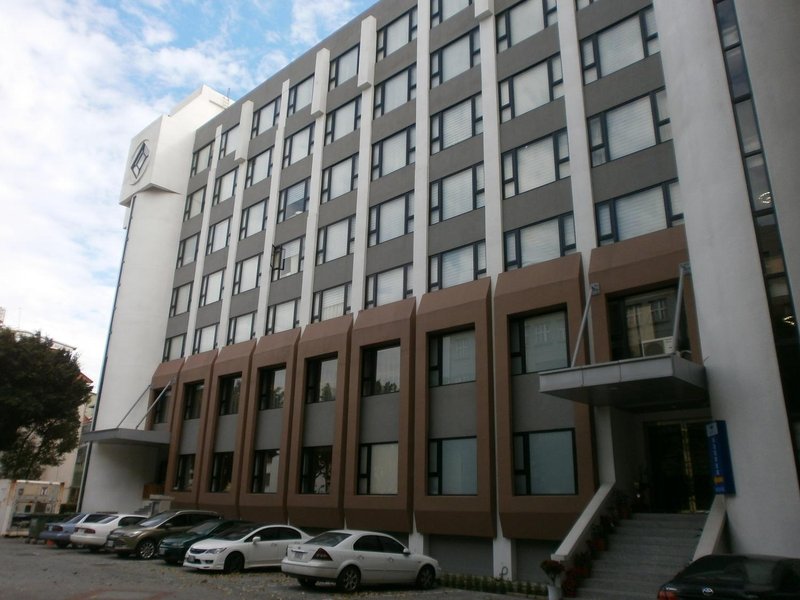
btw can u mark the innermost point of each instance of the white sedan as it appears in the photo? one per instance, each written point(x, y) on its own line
point(93, 535)
point(351, 558)
point(244, 547)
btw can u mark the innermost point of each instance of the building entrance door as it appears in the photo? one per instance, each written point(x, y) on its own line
point(680, 475)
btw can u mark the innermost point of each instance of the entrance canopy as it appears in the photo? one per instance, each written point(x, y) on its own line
point(127, 436)
point(639, 384)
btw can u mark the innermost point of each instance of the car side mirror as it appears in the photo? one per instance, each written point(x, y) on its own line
point(256, 539)
point(406, 552)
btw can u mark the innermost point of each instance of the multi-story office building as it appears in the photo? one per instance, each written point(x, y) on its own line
point(464, 266)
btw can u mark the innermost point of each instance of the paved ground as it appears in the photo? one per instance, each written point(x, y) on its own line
point(40, 572)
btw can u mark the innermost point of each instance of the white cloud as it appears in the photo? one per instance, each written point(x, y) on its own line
point(311, 19)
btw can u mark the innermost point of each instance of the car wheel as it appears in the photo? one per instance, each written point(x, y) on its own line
point(146, 549)
point(426, 578)
point(306, 582)
point(234, 563)
point(62, 544)
point(349, 580)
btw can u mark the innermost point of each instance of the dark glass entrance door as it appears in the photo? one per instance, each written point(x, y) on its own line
point(680, 477)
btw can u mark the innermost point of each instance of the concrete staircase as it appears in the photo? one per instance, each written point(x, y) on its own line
point(643, 552)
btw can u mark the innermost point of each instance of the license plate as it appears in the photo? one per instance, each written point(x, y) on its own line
point(298, 554)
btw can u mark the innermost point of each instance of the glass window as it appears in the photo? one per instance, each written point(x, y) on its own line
point(228, 141)
point(393, 152)
point(242, 328)
point(287, 259)
point(205, 339)
point(344, 67)
point(388, 286)
point(452, 358)
point(187, 250)
point(201, 159)
point(194, 203)
point(211, 287)
point(247, 275)
point(380, 372)
point(282, 317)
point(396, 91)
point(455, 58)
point(181, 300)
point(174, 347)
point(532, 88)
point(544, 463)
point(397, 33)
point(336, 240)
point(230, 389)
point(315, 477)
point(441, 10)
point(192, 400)
point(453, 467)
point(456, 124)
point(163, 400)
point(321, 380)
point(266, 117)
point(523, 20)
point(271, 388)
point(540, 242)
point(391, 219)
point(293, 200)
point(254, 219)
point(377, 469)
point(300, 95)
point(265, 471)
point(536, 164)
point(258, 168)
point(331, 303)
point(184, 476)
point(641, 325)
point(457, 266)
point(343, 120)
point(221, 472)
point(539, 343)
point(457, 194)
point(340, 178)
point(639, 213)
point(298, 145)
point(218, 236)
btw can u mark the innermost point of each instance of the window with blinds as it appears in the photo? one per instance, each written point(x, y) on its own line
point(452, 358)
point(455, 58)
point(224, 187)
point(397, 34)
point(391, 219)
point(340, 178)
point(336, 240)
point(254, 219)
point(287, 259)
point(298, 145)
point(457, 194)
point(456, 124)
point(394, 152)
point(293, 200)
point(343, 120)
point(523, 20)
point(388, 286)
point(331, 303)
point(241, 328)
point(531, 88)
point(441, 10)
point(456, 266)
point(540, 242)
point(538, 343)
point(282, 317)
point(536, 164)
point(259, 168)
point(396, 91)
point(205, 339)
point(639, 213)
point(620, 45)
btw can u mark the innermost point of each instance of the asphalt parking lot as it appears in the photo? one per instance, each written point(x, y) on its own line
point(41, 572)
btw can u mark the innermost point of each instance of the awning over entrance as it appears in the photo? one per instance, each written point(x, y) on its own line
point(638, 384)
point(119, 435)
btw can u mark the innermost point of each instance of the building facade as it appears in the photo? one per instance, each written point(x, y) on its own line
point(460, 265)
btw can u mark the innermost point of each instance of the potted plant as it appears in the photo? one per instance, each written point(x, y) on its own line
point(553, 569)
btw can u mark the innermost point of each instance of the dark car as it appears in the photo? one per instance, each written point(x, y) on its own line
point(60, 532)
point(173, 547)
point(143, 539)
point(736, 577)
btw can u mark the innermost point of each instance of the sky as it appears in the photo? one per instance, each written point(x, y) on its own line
point(80, 78)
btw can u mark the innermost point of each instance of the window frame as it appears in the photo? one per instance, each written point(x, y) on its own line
point(374, 226)
point(191, 208)
point(258, 117)
point(250, 173)
point(437, 10)
point(181, 259)
point(373, 283)
point(314, 384)
point(334, 118)
point(229, 394)
point(526, 470)
point(283, 198)
point(278, 261)
point(318, 303)
point(185, 306)
point(323, 242)
point(213, 232)
point(412, 16)
point(244, 224)
point(437, 123)
point(514, 236)
point(507, 38)
point(233, 323)
point(327, 178)
point(434, 467)
point(292, 107)
point(289, 143)
point(410, 134)
point(438, 201)
point(272, 312)
point(198, 154)
point(260, 480)
point(334, 80)
point(610, 205)
point(410, 74)
point(307, 483)
point(239, 272)
point(517, 358)
point(268, 398)
point(562, 166)
point(436, 267)
point(437, 78)
point(555, 87)
point(221, 480)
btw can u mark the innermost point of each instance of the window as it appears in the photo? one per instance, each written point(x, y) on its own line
point(173, 347)
point(331, 303)
point(641, 325)
point(455, 58)
point(265, 117)
point(393, 152)
point(271, 388)
point(452, 467)
point(293, 200)
point(391, 219)
point(187, 250)
point(321, 380)
point(580, 4)
point(211, 287)
point(181, 299)
point(540, 242)
point(396, 91)
point(265, 471)
point(162, 399)
point(451, 358)
point(626, 129)
point(620, 45)
point(344, 67)
point(282, 317)
point(221, 472)
point(315, 477)
point(397, 33)
point(377, 469)
point(343, 120)
point(340, 178)
point(336, 240)
point(201, 159)
point(523, 20)
point(193, 399)
point(457, 266)
point(456, 124)
point(228, 141)
point(388, 286)
point(380, 371)
point(544, 463)
point(205, 339)
point(441, 10)
point(287, 259)
point(194, 203)
point(241, 328)
point(184, 476)
point(254, 219)
point(300, 95)
point(298, 145)
point(229, 392)
point(218, 236)
point(536, 164)
point(258, 168)
point(639, 213)
point(247, 274)
point(140, 159)
point(457, 194)
point(531, 88)
point(538, 343)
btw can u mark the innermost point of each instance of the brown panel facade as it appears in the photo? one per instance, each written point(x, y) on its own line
point(465, 305)
point(319, 510)
point(393, 322)
point(555, 284)
point(272, 350)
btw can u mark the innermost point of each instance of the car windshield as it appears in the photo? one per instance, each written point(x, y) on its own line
point(205, 527)
point(156, 520)
point(237, 532)
point(738, 569)
point(329, 538)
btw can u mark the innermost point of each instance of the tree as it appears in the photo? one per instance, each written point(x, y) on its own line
point(41, 391)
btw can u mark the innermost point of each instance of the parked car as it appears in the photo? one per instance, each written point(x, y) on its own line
point(60, 532)
point(244, 547)
point(736, 576)
point(94, 535)
point(351, 558)
point(143, 539)
point(173, 547)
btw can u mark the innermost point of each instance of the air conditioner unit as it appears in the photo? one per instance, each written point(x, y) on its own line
point(657, 346)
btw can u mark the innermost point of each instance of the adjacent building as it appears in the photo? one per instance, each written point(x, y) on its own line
point(464, 264)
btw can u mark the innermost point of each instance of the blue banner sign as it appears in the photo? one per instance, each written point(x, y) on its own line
point(720, 455)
